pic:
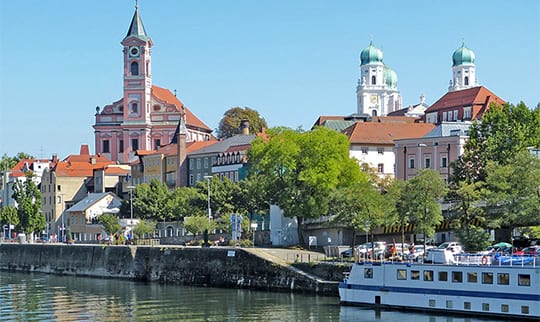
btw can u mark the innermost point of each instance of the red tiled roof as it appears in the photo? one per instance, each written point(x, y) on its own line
point(167, 96)
point(81, 165)
point(172, 149)
point(320, 121)
point(479, 96)
point(393, 119)
point(18, 169)
point(385, 133)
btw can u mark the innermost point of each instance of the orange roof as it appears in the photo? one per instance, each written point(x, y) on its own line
point(19, 169)
point(81, 165)
point(172, 149)
point(116, 170)
point(393, 119)
point(320, 121)
point(385, 133)
point(167, 96)
point(477, 96)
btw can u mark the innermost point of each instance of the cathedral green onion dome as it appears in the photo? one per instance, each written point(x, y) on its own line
point(390, 77)
point(463, 56)
point(371, 55)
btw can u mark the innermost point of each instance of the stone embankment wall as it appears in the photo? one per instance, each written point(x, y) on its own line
point(217, 267)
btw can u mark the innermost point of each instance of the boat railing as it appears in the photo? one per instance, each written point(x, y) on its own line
point(496, 259)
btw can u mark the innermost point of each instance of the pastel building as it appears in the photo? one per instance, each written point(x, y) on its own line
point(146, 116)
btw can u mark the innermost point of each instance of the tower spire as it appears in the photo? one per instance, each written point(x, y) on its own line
point(136, 28)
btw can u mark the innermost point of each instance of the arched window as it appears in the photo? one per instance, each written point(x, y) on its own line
point(374, 113)
point(134, 108)
point(466, 80)
point(134, 68)
point(373, 80)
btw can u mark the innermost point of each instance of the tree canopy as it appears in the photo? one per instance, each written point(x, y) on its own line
point(28, 198)
point(302, 169)
point(232, 118)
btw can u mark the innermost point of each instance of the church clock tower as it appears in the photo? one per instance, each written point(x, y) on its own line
point(136, 127)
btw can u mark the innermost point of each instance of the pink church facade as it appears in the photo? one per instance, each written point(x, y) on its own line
point(147, 116)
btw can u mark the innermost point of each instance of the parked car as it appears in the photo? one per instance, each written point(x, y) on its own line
point(444, 253)
point(532, 250)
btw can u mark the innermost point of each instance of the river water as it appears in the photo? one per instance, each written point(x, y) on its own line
point(41, 297)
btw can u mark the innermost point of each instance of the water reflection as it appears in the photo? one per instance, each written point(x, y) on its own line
point(38, 297)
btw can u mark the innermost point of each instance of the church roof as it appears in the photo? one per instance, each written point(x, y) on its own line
point(168, 97)
point(385, 133)
point(136, 28)
point(82, 164)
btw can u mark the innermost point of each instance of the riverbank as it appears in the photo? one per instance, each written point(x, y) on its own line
point(216, 267)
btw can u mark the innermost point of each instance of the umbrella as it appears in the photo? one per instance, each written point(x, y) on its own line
point(502, 244)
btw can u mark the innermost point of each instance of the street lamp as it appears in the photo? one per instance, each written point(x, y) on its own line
point(131, 202)
point(208, 178)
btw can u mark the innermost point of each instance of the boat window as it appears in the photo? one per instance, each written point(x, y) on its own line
point(485, 306)
point(467, 305)
point(524, 309)
point(487, 278)
point(401, 274)
point(457, 277)
point(505, 308)
point(503, 278)
point(415, 275)
point(432, 303)
point(449, 304)
point(472, 277)
point(428, 276)
point(443, 276)
point(524, 280)
point(368, 272)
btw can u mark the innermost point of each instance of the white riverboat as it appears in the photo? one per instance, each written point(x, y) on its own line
point(479, 285)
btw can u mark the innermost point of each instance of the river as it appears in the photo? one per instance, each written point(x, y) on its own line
point(41, 297)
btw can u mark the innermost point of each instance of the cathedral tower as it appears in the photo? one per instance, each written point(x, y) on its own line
point(463, 68)
point(376, 93)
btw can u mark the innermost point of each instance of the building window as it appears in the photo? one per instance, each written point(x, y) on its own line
point(427, 163)
point(487, 278)
point(134, 68)
point(524, 280)
point(455, 115)
point(503, 278)
point(428, 276)
point(198, 163)
point(444, 162)
point(157, 143)
point(467, 113)
point(205, 163)
point(190, 165)
point(411, 163)
point(373, 80)
point(466, 80)
point(134, 144)
point(444, 116)
point(457, 277)
point(106, 146)
point(364, 150)
point(134, 108)
point(380, 168)
point(380, 150)
point(121, 146)
point(190, 179)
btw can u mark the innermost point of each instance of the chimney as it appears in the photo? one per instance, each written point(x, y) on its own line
point(54, 158)
point(84, 149)
point(244, 127)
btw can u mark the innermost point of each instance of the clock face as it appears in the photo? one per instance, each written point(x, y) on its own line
point(374, 99)
point(134, 51)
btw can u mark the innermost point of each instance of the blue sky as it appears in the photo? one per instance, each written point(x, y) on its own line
point(292, 61)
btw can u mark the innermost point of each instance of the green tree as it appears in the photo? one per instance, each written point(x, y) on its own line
point(302, 169)
point(230, 123)
point(184, 202)
point(421, 200)
point(360, 206)
point(468, 214)
point(28, 198)
point(110, 224)
point(512, 191)
point(198, 224)
point(144, 228)
point(397, 210)
point(221, 196)
point(150, 200)
point(249, 196)
point(9, 216)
